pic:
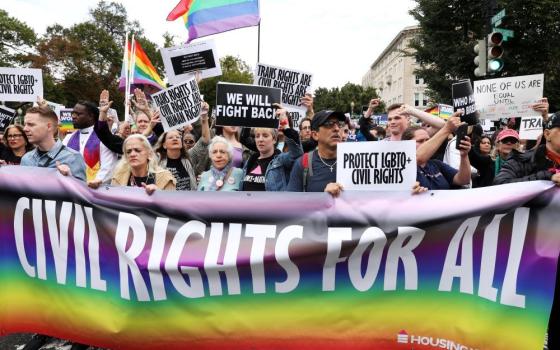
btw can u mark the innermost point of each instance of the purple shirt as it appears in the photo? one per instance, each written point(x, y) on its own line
point(237, 161)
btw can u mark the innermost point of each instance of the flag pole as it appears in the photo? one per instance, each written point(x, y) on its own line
point(259, 43)
point(126, 70)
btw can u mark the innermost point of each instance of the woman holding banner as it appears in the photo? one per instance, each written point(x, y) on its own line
point(139, 167)
point(15, 145)
point(222, 176)
point(269, 168)
point(180, 162)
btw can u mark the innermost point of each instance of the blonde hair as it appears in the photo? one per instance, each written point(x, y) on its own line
point(273, 132)
point(123, 167)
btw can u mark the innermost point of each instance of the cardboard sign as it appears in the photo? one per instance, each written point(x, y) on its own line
point(179, 105)
point(7, 115)
point(20, 84)
point(294, 84)
point(531, 128)
point(297, 114)
point(376, 166)
point(508, 97)
point(65, 119)
point(246, 105)
point(463, 99)
point(182, 61)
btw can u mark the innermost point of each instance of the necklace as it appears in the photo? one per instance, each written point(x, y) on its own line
point(331, 166)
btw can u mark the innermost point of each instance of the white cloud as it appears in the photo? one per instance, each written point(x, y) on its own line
point(335, 40)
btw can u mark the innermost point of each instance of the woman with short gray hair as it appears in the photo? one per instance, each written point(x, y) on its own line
point(222, 176)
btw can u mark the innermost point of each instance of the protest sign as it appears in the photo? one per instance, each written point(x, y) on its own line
point(179, 105)
point(7, 115)
point(268, 270)
point(297, 114)
point(463, 99)
point(377, 166)
point(294, 84)
point(531, 128)
point(55, 107)
point(65, 119)
point(441, 111)
point(20, 84)
point(182, 61)
point(246, 105)
point(508, 97)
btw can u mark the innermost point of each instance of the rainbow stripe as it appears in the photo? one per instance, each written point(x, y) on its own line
point(207, 17)
point(306, 317)
point(144, 72)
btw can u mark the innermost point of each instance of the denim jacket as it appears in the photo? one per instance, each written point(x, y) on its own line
point(278, 171)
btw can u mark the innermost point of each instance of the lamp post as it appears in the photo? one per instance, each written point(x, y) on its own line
point(352, 104)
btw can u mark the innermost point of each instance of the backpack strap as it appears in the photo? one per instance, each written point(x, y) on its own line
point(307, 163)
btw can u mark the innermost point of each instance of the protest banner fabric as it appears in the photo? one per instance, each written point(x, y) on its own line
point(294, 84)
point(246, 105)
point(531, 128)
point(508, 97)
point(182, 61)
point(7, 115)
point(20, 84)
point(179, 105)
point(376, 166)
point(297, 271)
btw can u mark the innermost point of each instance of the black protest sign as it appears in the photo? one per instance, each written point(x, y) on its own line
point(463, 100)
point(179, 105)
point(193, 61)
point(294, 84)
point(246, 105)
point(7, 115)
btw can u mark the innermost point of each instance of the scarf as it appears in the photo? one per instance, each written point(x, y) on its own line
point(217, 175)
point(555, 158)
point(91, 154)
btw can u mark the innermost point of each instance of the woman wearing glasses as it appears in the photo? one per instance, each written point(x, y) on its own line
point(15, 145)
point(182, 163)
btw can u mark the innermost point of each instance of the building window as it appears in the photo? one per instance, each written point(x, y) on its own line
point(425, 100)
point(418, 80)
point(416, 99)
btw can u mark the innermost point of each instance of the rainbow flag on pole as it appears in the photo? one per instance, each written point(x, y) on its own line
point(140, 69)
point(207, 17)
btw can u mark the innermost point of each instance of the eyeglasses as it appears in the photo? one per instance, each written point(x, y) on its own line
point(14, 136)
point(331, 123)
point(188, 142)
point(510, 141)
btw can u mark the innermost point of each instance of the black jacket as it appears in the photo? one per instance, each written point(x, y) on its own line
point(529, 166)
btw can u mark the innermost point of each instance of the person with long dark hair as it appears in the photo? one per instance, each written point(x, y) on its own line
point(15, 145)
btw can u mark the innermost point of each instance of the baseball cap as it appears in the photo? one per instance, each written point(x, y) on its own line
point(321, 117)
point(507, 133)
point(554, 121)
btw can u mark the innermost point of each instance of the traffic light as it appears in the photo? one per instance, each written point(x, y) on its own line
point(495, 52)
point(480, 59)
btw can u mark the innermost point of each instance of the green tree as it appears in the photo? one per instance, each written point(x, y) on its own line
point(17, 40)
point(449, 30)
point(340, 99)
point(234, 70)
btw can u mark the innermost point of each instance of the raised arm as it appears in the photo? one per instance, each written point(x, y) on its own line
point(430, 147)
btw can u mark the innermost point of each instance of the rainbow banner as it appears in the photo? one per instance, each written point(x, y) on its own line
point(207, 17)
point(117, 268)
point(144, 73)
point(441, 110)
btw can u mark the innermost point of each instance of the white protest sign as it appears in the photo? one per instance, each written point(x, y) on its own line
point(182, 61)
point(531, 128)
point(20, 84)
point(508, 97)
point(297, 114)
point(179, 105)
point(376, 166)
point(294, 84)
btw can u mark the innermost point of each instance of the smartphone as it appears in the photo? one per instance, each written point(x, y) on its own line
point(461, 134)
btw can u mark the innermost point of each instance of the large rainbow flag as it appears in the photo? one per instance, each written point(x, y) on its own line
point(207, 17)
point(144, 72)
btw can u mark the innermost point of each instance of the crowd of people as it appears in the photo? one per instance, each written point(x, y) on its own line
point(206, 157)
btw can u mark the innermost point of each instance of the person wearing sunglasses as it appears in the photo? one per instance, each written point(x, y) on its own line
point(15, 145)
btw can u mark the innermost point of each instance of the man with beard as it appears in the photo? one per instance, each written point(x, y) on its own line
point(98, 158)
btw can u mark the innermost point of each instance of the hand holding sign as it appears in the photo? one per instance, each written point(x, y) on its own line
point(541, 107)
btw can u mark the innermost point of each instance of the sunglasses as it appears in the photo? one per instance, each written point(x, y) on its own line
point(510, 140)
point(188, 142)
point(331, 123)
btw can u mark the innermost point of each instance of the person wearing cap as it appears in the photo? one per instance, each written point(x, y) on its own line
point(540, 163)
point(315, 171)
